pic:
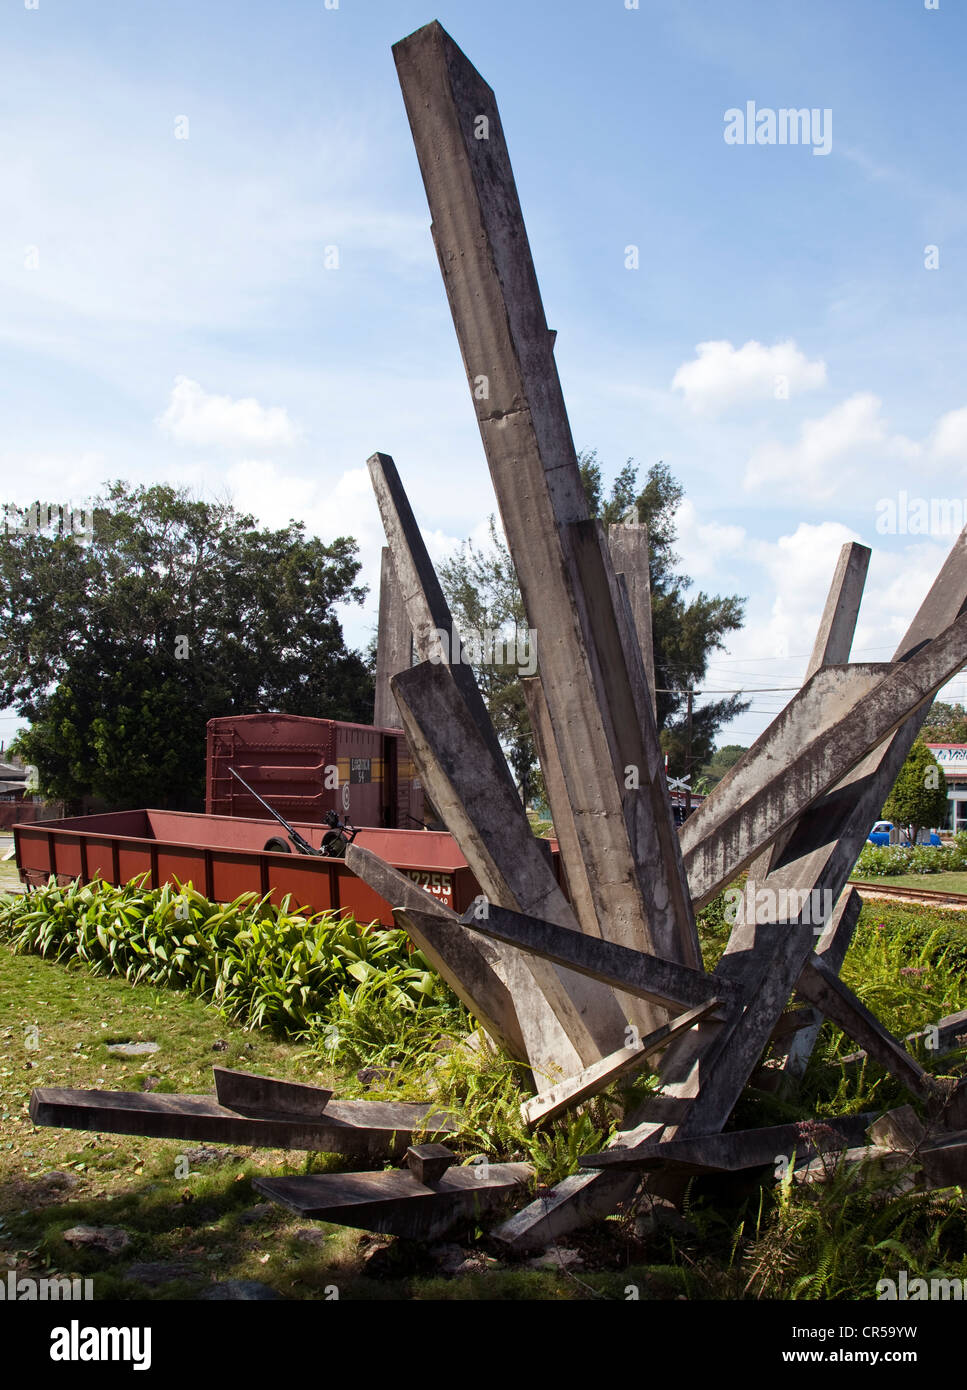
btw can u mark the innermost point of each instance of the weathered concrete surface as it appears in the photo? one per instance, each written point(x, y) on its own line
point(625, 1062)
point(648, 977)
point(900, 1129)
point(823, 988)
point(486, 818)
point(397, 1203)
point(832, 646)
point(473, 968)
point(394, 642)
point(365, 1127)
point(629, 555)
point(740, 1149)
point(575, 869)
point(427, 610)
point(601, 724)
point(831, 833)
point(248, 1093)
point(840, 716)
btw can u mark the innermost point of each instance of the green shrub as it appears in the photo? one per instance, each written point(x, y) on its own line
point(263, 965)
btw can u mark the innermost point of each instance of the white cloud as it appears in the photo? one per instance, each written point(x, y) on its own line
point(722, 375)
point(195, 417)
point(831, 450)
point(950, 437)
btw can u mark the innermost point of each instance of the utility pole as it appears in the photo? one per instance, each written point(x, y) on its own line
point(688, 757)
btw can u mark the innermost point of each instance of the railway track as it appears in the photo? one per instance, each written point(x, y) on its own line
point(936, 897)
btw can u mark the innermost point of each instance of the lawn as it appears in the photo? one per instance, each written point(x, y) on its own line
point(187, 1233)
point(191, 1219)
point(931, 883)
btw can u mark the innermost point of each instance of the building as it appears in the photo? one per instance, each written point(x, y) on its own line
point(952, 757)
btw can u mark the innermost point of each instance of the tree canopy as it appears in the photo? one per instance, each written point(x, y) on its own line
point(945, 724)
point(119, 651)
point(919, 796)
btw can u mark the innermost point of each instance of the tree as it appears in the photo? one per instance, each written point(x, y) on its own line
point(720, 762)
point(918, 800)
point(481, 588)
point(945, 724)
point(118, 652)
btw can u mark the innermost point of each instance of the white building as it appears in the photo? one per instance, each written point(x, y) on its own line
point(952, 757)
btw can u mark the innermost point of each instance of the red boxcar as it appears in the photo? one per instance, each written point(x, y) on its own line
point(305, 767)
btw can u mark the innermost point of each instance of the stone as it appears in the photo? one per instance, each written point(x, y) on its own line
point(252, 1215)
point(108, 1240)
point(132, 1049)
point(557, 1257)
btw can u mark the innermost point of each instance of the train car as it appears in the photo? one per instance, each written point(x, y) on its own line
point(307, 767)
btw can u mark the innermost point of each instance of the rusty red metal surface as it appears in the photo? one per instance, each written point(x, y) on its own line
point(223, 856)
point(305, 767)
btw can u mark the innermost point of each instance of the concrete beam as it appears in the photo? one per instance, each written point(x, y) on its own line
point(487, 820)
point(426, 607)
point(394, 642)
point(625, 1062)
point(600, 714)
point(840, 716)
point(824, 989)
point(629, 555)
point(648, 977)
point(578, 884)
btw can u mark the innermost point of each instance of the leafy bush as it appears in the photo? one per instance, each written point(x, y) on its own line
point(887, 861)
point(264, 965)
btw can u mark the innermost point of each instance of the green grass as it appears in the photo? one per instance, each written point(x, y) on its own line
point(931, 883)
point(744, 1238)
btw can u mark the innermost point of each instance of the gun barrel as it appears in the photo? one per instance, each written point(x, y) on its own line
point(294, 835)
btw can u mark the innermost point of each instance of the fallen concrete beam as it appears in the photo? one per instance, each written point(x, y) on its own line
point(740, 1149)
point(593, 677)
point(394, 642)
point(474, 969)
point(397, 1203)
point(250, 1094)
point(487, 819)
point(824, 989)
point(369, 1128)
point(627, 1060)
point(945, 1160)
point(647, 977)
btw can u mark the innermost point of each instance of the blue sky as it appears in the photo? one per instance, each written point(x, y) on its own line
point(168, 312)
